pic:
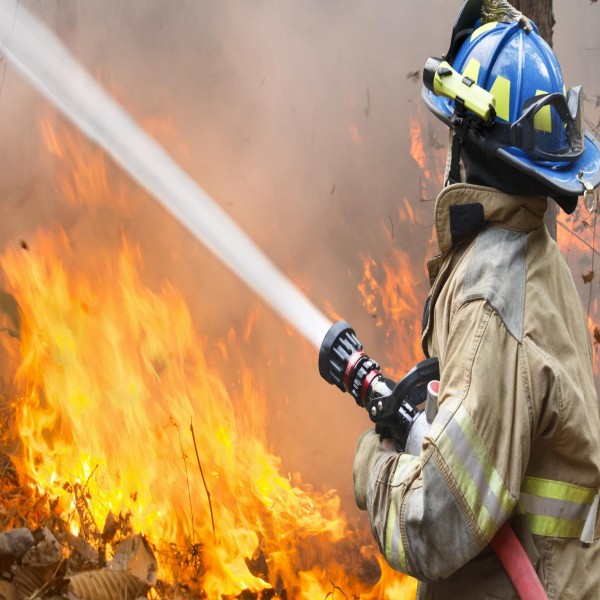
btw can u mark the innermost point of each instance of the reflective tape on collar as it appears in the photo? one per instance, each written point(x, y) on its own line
point(555, 508)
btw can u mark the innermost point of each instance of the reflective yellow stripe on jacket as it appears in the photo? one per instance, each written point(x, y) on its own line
point(480, 483)
point(394, 546)
point(555, 508)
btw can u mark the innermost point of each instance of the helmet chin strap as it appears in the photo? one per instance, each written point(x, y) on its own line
point(455, 172)
point(448, 159)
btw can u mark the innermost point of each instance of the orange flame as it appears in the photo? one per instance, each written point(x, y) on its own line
point(355, 134)
point(113, 376)
point(576, 240)
point(431, 160)
point(390, 292)
point(417, 146)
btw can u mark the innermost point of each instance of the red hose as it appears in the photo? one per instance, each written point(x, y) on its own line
point(517, 565)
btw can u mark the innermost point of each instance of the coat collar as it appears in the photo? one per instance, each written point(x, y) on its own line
point(463, 209)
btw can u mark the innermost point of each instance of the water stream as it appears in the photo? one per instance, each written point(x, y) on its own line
point(39, 56)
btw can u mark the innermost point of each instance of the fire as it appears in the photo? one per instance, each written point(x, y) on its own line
point(417, 146)
point(112, 377)
point(121, 411)
point(429, 153)
point(355, 134)
point(391, 294)
point(576, 235)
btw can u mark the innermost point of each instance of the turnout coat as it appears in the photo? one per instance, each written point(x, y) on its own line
point(517, 434)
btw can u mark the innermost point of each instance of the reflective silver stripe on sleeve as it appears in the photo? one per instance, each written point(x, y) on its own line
point(384, 497)
point(439, 538)
point(558, 509)
point(445, 413)
point(550, 507)
point(480, 484)
point(478, 475)
point(394, 549)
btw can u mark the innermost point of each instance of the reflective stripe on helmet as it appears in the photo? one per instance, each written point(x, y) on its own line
point(543, 118)
point(472, 70)
point(501, 92)
point(481, 30)
point(555, 508)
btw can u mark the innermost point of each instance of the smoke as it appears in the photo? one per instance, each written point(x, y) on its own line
point(295, 117)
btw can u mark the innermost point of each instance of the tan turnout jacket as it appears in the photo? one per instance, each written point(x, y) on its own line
point(517, 435)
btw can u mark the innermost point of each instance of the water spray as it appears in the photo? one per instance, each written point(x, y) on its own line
point(36, 52)
point(40, 57)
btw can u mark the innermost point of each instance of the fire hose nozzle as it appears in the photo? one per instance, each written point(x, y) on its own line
point(392, 407)
point(343, 363)
point(339, 343)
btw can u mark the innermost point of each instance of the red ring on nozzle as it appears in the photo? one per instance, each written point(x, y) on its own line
point(433, 387)
point(364, 389)
point(352, 361)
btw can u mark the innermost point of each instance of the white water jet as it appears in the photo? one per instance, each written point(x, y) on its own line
point(36, 52)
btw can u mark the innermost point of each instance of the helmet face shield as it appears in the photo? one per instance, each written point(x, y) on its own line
point(550, 127)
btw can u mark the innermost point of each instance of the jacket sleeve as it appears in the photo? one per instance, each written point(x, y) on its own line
point(432, 513)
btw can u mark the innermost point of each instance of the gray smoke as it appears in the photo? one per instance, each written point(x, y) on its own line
point(294, 116)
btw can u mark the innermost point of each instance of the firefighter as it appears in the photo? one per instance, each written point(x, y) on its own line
point(517, 434)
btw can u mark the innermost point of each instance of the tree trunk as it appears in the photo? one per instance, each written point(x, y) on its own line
point(542, 14)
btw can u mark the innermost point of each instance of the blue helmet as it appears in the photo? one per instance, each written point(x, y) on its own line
point(536, 124)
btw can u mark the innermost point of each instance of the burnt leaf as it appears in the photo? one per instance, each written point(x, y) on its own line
point(106, 585)
point(596, 335)
point(588, 277)
point(31, 579)
point(14, 544)
point(111, 526)
point(134, 555)
point(7, 591)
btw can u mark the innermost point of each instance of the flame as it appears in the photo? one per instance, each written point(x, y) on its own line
point(86, 182)
point(355, 134)
point(391, 295)
point(122, 411)
point(417, 146)
point(430, 156)
point(576, 235)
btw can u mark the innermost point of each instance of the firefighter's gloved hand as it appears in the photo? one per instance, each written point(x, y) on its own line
point(368, 451)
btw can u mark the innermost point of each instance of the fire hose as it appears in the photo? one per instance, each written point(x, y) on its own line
point(403, 412)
